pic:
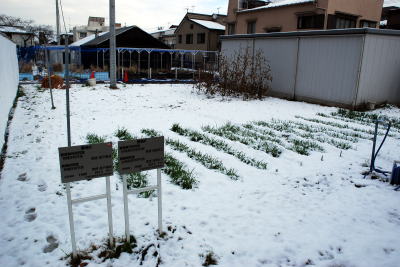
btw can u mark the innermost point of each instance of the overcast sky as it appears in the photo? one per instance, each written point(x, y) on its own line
point(147, 14)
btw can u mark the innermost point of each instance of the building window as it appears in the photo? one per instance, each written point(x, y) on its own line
point(191, 26)
point(343, 22)
point(82, 34)
point(251, 27)
point(201, 38)
point(310, 22)
point(180, 38)
point(367, 24)
point(189, 38)
point(231, 28)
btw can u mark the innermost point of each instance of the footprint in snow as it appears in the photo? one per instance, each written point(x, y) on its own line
point(30, 215)
point(52, 244)
point(42, 187)
point(22, 177)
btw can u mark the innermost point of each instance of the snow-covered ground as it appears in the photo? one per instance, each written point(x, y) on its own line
point(303, 210)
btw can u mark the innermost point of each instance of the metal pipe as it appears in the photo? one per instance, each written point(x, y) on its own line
point(71, 221)
point(126, 208)
point(109, 210)
point(159, 196)
point(148, 65)
point(49, 77)
point(113, 73)
point(86, 199)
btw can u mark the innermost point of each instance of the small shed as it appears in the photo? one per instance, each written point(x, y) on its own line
point(347, 68)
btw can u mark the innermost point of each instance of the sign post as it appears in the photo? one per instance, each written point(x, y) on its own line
point(86, 162)
point(136, 156)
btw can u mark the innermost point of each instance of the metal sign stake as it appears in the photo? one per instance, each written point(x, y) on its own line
point(109, 210)
point(126, 209)
point(159, 200)
point(71, 221)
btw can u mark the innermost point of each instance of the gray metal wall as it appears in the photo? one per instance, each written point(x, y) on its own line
point(342, 70)
point(380, 73)
point(328, 69)
point(281, 54)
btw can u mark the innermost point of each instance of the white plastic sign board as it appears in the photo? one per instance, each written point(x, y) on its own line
point(141, 154)
point(85, 162)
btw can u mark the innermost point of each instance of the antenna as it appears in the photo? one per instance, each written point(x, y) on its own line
point(218, 8)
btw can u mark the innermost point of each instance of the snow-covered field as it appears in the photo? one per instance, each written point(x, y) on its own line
point(302, 210)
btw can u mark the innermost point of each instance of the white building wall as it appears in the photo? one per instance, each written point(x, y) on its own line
point(9, 81)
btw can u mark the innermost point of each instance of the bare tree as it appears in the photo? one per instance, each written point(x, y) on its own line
point(38, 31)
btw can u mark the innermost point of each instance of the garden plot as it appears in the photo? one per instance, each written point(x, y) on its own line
point(246, 183)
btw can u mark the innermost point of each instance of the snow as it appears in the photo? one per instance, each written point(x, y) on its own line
point(389, 3)
point(11, 29)
point(9, 81)
point(87, 39)
point(209, 24)
point(301, 209)
point(279, 3)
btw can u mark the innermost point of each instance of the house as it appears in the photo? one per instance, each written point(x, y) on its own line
point(18, 35)
point(95, 25)
point(166, 36)
point(94, 49)
point(391, 15)
point(200, 32)
point(253, 16)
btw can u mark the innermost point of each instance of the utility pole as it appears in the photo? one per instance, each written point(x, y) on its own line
point(57, 23)
point(58, 30)
point(113, 73)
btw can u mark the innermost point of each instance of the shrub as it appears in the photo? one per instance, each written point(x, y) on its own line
point(56, 82)
point(245, 74)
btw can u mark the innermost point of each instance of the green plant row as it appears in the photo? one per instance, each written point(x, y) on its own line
point(220, 145)
point(306, 132)
point(177, 170)
point(364, 122)
point(345, 135)
point(365, 117)
point(206, 160)
point(284, 130)
point(231, 132)
point(340, 125)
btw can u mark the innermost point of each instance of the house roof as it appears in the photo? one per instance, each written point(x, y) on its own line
point(106, 36)
point(136, 38)
point(391, 3)
point(278, 3)
point(209, 24)
point(86, 39)
point(11, 29)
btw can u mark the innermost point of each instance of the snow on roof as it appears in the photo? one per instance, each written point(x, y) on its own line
point(12, 29)
point(279, 3)
point(86, 39)
point(209, 24)
point(389, 3)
